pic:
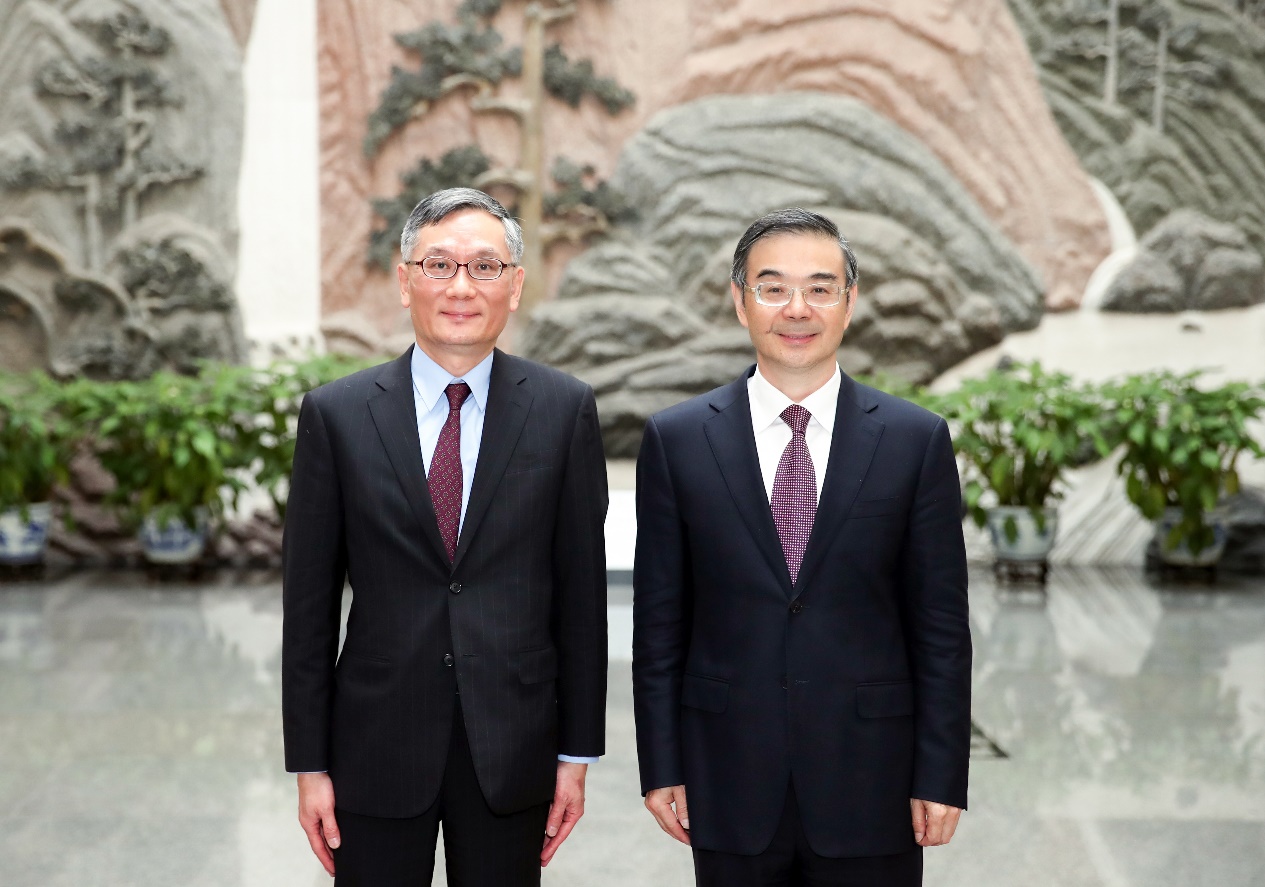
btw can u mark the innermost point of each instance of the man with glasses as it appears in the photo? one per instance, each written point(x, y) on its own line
point(461, 492)
point(801, 649)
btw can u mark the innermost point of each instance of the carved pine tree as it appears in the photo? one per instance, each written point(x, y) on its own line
point(1170, 68)
point(468, 58)
point(1150, 57)
point(1091, 29)
point(105, 152)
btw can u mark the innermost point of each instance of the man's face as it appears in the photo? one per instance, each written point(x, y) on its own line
point(796, 338)
point(460, 315)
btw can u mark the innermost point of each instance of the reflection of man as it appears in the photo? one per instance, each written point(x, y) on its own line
point(461, 492)
point(801, 671)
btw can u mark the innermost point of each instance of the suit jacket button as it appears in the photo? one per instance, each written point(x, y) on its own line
point(797, 607)
point(455, 588)
point(448, 659)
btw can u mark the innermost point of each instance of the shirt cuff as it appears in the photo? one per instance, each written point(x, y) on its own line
point(574, 759)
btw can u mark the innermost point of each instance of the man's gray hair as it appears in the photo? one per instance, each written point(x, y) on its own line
point(436, 207)
point(794, 220)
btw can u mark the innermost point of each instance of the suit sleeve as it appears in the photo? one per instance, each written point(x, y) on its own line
point(579, 606)
point(938, 625)
point(660, 617)
point(314, 567)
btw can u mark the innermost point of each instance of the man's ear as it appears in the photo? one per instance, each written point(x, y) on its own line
point(739, 293)
point(401, 273)
point(849, 303)
point(516, 286)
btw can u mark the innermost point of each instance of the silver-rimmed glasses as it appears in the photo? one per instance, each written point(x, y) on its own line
point(443, 268)
point(817, 295)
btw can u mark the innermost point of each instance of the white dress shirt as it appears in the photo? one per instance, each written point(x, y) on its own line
point(429, 382)
point(772, 434)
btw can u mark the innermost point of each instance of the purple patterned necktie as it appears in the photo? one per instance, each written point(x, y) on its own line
point(794, 499)
point(445, 470)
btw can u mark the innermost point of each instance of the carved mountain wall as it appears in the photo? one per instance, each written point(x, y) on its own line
point(204, 67)
point(61, 311)
point(955, 75)
point(646, 316)
point(1206, 149)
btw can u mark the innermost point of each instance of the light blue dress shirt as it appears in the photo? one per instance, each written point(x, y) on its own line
point(429, 382)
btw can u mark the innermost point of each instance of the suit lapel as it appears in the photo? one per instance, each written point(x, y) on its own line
point(508, 403)
point(852, 448)
point(732, 442)
point(395, 414)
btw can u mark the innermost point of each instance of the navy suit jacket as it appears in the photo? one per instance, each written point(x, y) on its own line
point(517, 623)
point(855, 682)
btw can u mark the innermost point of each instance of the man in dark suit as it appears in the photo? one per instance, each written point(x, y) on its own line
point(461, 492)
point(801, 649)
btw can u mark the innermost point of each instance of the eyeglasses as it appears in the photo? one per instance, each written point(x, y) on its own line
point(816, 295)
point(441, 268)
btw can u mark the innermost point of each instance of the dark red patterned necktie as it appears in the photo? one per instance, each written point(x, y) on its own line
point(794, 499)
point(445, 470)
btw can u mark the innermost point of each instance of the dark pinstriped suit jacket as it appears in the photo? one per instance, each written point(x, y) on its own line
point(520, 614)
point(855, 682)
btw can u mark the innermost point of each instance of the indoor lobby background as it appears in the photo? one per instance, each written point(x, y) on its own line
point(1075, 182)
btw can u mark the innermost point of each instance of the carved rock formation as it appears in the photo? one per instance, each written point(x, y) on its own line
point(1206, 149)
point(1190, 262)
point(957, 76)
point(95, 537)
point(61, 316)
point(71, 322)
point(646, 316)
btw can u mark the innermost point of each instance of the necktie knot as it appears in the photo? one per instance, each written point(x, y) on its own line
point(797, 417)
point(457, 393)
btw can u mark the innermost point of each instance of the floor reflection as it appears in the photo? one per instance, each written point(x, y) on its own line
point(1121, 740)
point(1133, 714)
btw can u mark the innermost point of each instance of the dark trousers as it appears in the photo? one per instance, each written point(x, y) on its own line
point(790, 862)
point(481, 848)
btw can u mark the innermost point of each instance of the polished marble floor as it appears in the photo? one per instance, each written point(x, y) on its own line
point(1121, 740)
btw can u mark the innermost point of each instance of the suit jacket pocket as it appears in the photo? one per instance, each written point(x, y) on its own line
point(890, 699)
point(523, 462)
point(877, 507)
point(706, 694)
point(368, 658)
point(536, 666)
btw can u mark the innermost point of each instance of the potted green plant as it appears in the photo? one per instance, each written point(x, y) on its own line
point(179, 448)
point(1017, 431)
point(34, 441)
point(279, 392)
point(1181, 439)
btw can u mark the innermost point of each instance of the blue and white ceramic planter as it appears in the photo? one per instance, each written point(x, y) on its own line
point(173, 543)
point(1030, 543)
point(22, 539)
point(1181, 555)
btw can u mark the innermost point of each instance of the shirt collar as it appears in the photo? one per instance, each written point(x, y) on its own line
point(767, 402)
point(430, 379)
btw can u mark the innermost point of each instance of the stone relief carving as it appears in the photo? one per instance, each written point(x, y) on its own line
point(1189, 262)
point(117, 239)
point(1165, 103)
point(646, 316)
point(467, 59)
point(956, 76)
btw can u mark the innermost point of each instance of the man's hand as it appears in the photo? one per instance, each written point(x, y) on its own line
point(660, 802)
point(316, 815)
point(566, 809)
point(934, 823)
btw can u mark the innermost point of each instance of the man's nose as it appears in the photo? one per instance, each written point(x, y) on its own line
point(798, 305)
point(462, 284)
